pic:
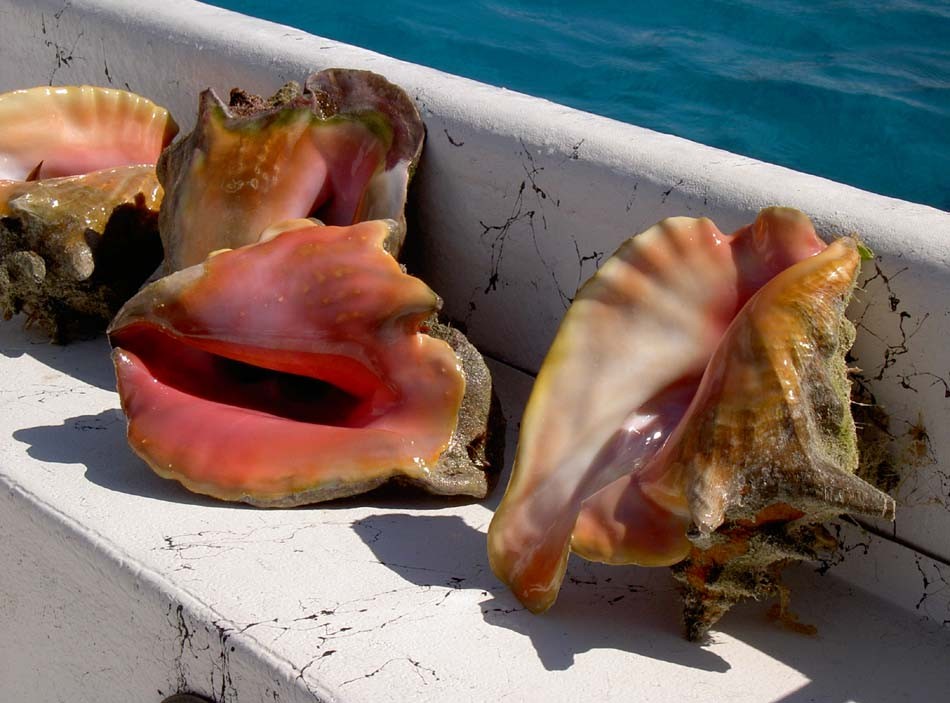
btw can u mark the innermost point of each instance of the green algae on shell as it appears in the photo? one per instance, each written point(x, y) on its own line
point(342, 149)
point(694, 406)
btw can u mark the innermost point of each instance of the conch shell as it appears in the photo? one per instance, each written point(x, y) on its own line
point(696, 393)
point(303, 368)
point(75, 248)
point(342, 150)
point(78, 204)
point(48, 132)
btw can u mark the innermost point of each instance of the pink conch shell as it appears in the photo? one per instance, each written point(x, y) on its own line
point(79, 203)
point(341, 151)
point(72, 130)
point(768, 439)
point(610, 403)
point(302, 368)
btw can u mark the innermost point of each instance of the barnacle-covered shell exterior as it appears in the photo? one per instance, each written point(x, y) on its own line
point(341, 150)
point(70, 130)
point(74, 249)
point(323, 352)
point(79, 203)
point(768, 448)
point(763, 436)
point(619, 375)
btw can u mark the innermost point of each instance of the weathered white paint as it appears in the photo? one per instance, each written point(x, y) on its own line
point(514, 202)
point(390, 599)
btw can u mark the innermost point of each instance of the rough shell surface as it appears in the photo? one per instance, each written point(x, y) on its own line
point(74, 249)
point(758, 503)
point(655, 456)
point(303, 368)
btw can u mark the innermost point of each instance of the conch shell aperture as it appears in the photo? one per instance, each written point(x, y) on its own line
point(284, 360)
point(303, 368)
point(696, 393)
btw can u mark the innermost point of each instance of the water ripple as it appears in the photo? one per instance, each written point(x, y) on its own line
point(855, 91)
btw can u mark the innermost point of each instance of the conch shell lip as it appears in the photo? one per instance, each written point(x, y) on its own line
point(294, 370)
point(251, 347)
point(300, 397)
point(54, 131)
point(361, 93)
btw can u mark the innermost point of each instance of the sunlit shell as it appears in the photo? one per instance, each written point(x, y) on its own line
point(302, 368)
point(342, 151)
point(79, 203)
point(624, 449)
point(71, 130)
point(624, 365)
point(767, 449)
point(6, 190)
point(74, 249)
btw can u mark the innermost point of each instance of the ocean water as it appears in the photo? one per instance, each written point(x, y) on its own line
point(854, 90)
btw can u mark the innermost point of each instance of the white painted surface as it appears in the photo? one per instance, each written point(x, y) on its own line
point(386, 599)
point(506, 225)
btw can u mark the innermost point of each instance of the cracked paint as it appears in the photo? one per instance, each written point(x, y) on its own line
point(898, 452)
point(452, 141)
point(63, 56)
point(521, 212)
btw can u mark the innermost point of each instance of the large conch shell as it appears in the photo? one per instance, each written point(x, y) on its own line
point(695, 393)
point(342, 151)
point(303, 368)
point(79, 203)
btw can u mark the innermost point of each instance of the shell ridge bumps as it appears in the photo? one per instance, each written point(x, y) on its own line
point(78, 129)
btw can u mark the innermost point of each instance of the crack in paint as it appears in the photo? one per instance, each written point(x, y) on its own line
point(520, 213)
point(417, 667)
point(207, 543)
point(939, 579)
point(666, 193)
point(632, 198)
point(62, 56)
point(893, 459)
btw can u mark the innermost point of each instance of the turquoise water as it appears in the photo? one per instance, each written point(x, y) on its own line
point(853, 90)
